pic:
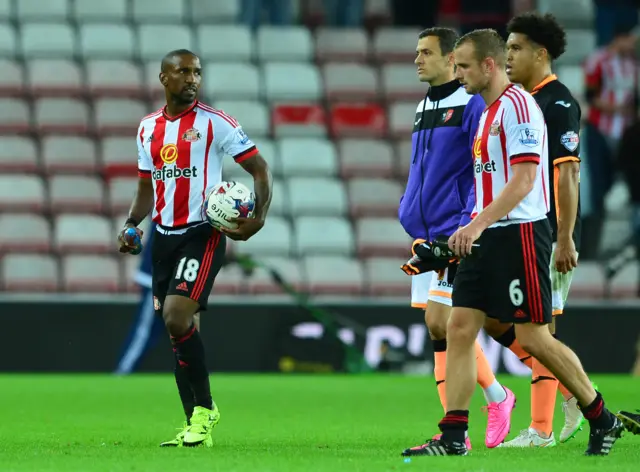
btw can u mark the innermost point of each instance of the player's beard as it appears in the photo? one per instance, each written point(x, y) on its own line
point(183, 98)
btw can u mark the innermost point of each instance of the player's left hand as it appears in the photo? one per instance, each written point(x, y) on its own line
point(566, 256)
point(247, 227)
point(462, 240)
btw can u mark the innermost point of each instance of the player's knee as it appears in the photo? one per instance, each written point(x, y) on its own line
point(534, 339)
point(460, 331)
point(178, 317)
point(436, 317)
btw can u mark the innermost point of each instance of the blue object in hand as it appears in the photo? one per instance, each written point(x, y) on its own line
point(133, 239)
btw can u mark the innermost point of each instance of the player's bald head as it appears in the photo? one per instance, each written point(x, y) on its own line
point(173, 57)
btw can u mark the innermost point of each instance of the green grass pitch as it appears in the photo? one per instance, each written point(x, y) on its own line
point(93, 423)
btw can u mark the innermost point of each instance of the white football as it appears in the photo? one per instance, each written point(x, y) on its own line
point(228, 200)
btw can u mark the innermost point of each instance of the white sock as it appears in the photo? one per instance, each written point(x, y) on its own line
point(495, 393)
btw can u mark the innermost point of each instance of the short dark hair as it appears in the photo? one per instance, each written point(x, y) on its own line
point(541, 29)
point(487, 43)
point(176, 52)
point(447, 37)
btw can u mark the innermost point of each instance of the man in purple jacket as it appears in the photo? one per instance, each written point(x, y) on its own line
point(438, 199)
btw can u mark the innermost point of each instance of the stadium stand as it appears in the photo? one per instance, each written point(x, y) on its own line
point(331, 110)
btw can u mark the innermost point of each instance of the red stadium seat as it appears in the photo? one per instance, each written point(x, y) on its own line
point(299, 120)
point(358, 120)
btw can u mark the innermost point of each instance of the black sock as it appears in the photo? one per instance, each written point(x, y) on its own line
point(190, 354)
point(599, 417)
point(454, 425)
point(184, 388)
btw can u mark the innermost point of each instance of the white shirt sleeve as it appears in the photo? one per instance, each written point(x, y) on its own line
point(145, 166)
point(232, 140)
point(525, 131)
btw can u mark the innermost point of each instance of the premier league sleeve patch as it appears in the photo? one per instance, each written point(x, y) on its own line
point(570, 140)
point(529, 137)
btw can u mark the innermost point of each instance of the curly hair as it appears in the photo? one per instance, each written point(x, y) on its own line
point(541, 29)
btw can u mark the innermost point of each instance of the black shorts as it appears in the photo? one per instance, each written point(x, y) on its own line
point(508, 277)
point(187, 264)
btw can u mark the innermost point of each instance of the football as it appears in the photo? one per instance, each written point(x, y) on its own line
point(228, 200)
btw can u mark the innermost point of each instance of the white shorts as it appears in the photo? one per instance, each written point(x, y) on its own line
point(429, 287)
point(560, 285)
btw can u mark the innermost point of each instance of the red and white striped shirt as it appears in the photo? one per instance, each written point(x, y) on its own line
point(183, 156)
point(512, 130)
point(614, 78)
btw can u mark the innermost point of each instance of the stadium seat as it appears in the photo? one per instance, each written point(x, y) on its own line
point(319, 197)
point(365, 158)
point(113, 78)
point(158, 11)
point(152, 80)
point(61, 116)
point(252, 115)
point(580, 44)
point(21, 193)
point(156, 40)
point(615, 234)
point(292, 82)
point(299, 120)
point(341, 44)
point(573, 78)
point(84, 11)
point(279, 205)
point(205, 11)
point(54, 78)
point(232, 81)
point(121, 193)
point(47, 40)
point(230, 281)
point(12, 78)
point(18, 154)
point(69, 155)
point(588, 280)
point(323, 235)
point(382, 237)
point(350, 82)
point(374, 197)
point(401, 119)
point(225, 43)
point(308, 157)
point(357, 120)
point(404, 157)
point(24, 233)
point(400, 82)
point(37, 10)
point(284, 43)
point(570, 13)
point(383, 277)
point(83, 233)
point(261, 281)
point(90, 274)
point(8, 41)
point(119, 157)
point(274, 239)
point(267, 150)
point(6, 10)
point(29, 273)
point(76, 194)
point(626, 282)
point(617, 200)
point(130, 267)
point(395, 44)
point(106, 41)
point(118, 116)
point(334, 275)
point(14, 116)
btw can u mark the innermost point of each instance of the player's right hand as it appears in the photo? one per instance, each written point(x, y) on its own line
point(130, 241)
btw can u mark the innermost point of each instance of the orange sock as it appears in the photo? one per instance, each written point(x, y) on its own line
point(543, 398)
point(523, 355)
point(565, 393)
point(440, 368)
point(485, 374)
